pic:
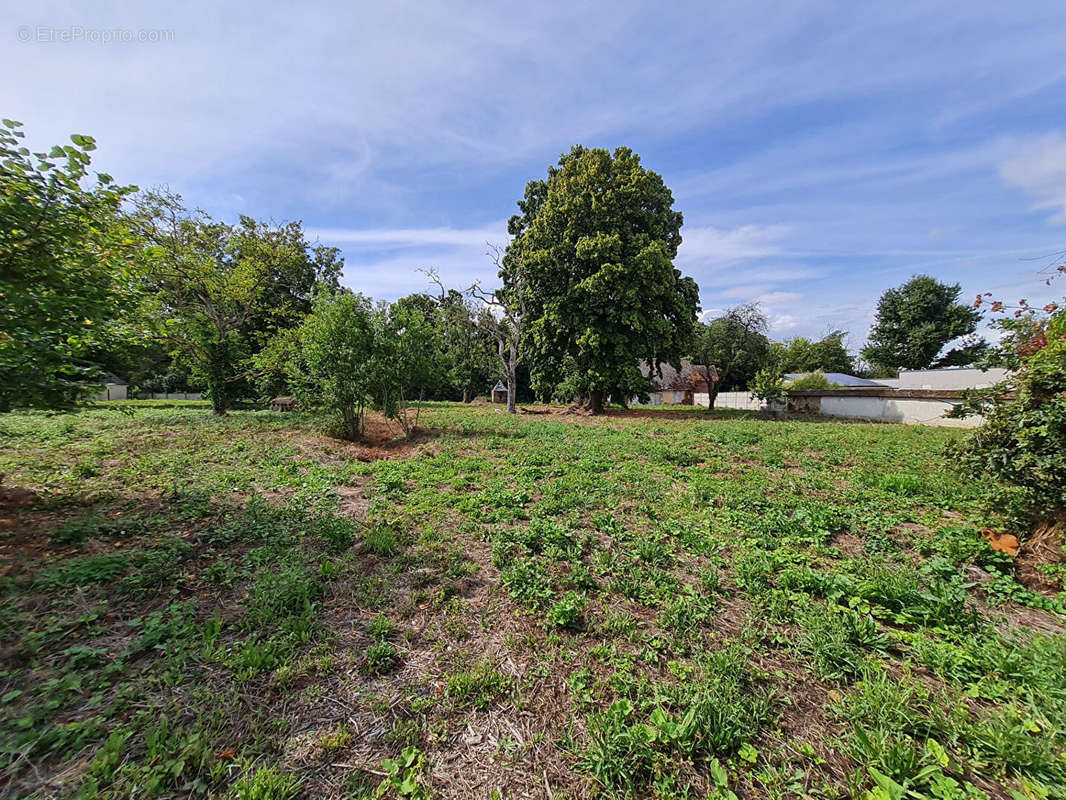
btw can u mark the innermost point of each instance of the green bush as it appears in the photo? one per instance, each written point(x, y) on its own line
point(1022, 445)
point(768, 385)
point(812, 381)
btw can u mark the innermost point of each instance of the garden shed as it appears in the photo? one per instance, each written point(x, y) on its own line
point(499, 393)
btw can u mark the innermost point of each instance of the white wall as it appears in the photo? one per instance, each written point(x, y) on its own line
point(738, 400)
point(888, 409)
point(171, 396)
point(112, 391)
point(965, 378)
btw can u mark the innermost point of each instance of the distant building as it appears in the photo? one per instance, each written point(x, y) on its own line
point(499, 392)
point(112, 387)
point(839, 378)
point(673, 387)
point(282, 404)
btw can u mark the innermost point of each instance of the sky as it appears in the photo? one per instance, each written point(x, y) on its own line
point(821, 152)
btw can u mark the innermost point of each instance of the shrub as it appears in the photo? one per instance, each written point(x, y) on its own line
point(331, 360)
point(812, 381)
point(1022, 445)
point(768, 385)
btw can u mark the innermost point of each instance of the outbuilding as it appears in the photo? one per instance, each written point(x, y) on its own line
point(499, 393)
point(112, 388)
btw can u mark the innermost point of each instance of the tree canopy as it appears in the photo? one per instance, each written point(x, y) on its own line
point(331, 363)
point(219, 292)
point(65, 258)
point(735, 343)
point(593, 249)
point(916, 321)
point(801, 354)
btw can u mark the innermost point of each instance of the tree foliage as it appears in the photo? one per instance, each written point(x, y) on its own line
point(828, 354)
point(348, 356)
point(594, 249)
point(406, 359)
point(916, 321)
point(735, 343)
point(812, 381)
point(768, 385)
point(65, 258)
point(219, 292)
point(1022, 444)
point(331, 359)
point(463, 342)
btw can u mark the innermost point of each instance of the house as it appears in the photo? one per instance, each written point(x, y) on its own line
point(499, 393)
point(112, 387)
point(282, 404)
point(839, 378)
point(674, 387)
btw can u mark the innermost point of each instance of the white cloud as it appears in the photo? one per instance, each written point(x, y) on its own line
point(1039, 168)
point(386, 262)
point(708, 246)
point(783, 323)
point(775, 298)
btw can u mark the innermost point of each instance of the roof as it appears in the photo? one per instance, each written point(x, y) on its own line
point(110, 378)
point(691, 377)
point(840, 378)
point(499, 387)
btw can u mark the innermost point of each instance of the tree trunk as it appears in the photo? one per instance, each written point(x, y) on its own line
point(596, 401)
point(712, 396)
point(512, 367)
point(464, 396)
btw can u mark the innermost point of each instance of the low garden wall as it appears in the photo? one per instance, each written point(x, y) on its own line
point(737, 400)
point(170, 396)
point(909, 406)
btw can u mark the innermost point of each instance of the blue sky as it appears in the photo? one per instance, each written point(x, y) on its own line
point(821, 152)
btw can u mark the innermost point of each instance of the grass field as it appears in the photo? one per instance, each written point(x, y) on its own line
point(671, 606)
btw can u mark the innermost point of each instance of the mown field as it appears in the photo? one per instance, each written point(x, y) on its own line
point(701, 606)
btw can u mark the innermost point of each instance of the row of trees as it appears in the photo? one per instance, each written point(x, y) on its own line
point(104, 277)
point(98, 277)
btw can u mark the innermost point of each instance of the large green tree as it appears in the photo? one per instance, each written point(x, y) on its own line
point(735, 343)
point(65, 257)
point(917, 321)
point(592, 257)
point(218, 292)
